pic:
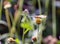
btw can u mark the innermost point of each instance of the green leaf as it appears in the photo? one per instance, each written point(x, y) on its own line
point(27, 25)
point(17, 41)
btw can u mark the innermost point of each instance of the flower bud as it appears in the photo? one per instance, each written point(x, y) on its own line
point(38, 20)
point(34, 39)
point(11, 40)
point(26, 11)
point(7, 5)
point(42, 16)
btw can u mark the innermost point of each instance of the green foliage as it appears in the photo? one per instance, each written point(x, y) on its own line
point(27, 26)
point(58, 42)
point(10, 0)
point(17, 41)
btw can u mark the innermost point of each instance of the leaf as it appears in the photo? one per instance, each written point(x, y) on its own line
point(26, 25)
point(17, 41)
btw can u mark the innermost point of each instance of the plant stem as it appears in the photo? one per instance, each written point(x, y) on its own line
point(1, 9)
point(11, 16)
point(46, 7)
point(19, 12)
point(39, 4)
point(8, 18)
point(39, 35)
point(54, 18)
point(23, 40)
point(35, 42)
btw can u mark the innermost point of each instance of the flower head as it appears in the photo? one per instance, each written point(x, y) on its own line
point(7, 4)
point(11, 40)
point(34, 39)
point(35, 36)
point(26, 11)
point(38, 20)
point(42, 16)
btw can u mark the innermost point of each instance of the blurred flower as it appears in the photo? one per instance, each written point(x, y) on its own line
point(7, 4)
point(35, 35)
point(10, 40)
point(47, 39)
point(26, 11)
point(42, 16)
point(38, 20)
point(16, 6)
point(50, 40)
point(53, 41)
point(34, 39)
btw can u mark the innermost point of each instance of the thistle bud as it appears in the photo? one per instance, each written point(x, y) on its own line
point(38, 20)
point(34, 39)
point(35, 36)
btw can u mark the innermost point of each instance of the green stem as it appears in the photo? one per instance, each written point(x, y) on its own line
point(26, 31)
point(34, 2)
point(46, 7)
point(17, 17)
point(39, 4)
point(11, 17)
point(54, 18)
point(1, 9)
point(23, 40)
point(8, 18)
point(35, 42)
point(19, 10)
point(39, 35)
